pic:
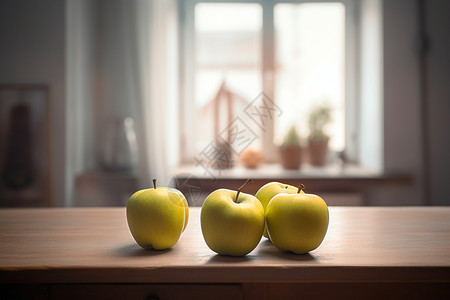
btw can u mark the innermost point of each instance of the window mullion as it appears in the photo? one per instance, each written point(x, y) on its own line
point(268, 74)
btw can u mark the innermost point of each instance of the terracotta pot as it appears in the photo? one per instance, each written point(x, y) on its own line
point(318, 152)
point(291, 157)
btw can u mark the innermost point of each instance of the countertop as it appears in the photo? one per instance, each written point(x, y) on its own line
point(87, 245)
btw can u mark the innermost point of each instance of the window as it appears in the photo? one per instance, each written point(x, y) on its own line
point(310, 45)
point(227, 50)
point(296, 53)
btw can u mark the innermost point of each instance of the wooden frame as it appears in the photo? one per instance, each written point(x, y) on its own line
point(25, 158)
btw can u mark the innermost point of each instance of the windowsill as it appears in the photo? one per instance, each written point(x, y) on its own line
point(266, 171)
point(351, 181)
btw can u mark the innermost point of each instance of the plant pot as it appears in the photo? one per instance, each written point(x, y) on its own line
point(318, 151)
point(291, 157)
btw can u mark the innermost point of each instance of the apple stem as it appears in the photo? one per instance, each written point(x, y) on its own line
point(154, 183)
point(239, 189)
point(300, 187)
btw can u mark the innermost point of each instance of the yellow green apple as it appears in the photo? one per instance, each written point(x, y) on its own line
point(232, 222)
point(271, 189)
point(297, 222)
point(157, 216)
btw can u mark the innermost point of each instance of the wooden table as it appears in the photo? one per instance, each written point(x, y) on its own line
point(89, 253)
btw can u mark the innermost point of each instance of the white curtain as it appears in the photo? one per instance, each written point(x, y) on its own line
point(151, 58)
point(122, 62)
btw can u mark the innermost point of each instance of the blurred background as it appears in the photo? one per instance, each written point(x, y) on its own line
point(98, 97)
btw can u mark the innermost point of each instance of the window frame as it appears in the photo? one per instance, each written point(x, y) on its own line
point(187, 67)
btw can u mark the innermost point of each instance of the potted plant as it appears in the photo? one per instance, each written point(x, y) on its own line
point(318, 139)
point(291, 150)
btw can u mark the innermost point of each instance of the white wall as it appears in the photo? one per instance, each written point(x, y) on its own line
point(32, 50)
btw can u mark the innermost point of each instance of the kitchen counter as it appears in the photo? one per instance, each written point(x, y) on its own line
point(369, 251)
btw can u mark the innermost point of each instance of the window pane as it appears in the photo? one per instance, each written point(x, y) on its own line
point(227, 49)
point(310, 47)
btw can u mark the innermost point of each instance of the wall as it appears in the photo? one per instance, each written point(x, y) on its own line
point(112, 65)
point(32, 50)
point(437, 26)
point(415, 144)
point(80, 116)
point(371, 85)
point(98, 82)
point(402, 119)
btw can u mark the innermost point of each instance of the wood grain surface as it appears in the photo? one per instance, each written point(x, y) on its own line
point(94, 245)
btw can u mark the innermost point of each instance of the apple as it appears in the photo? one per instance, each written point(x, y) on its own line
point(271, 189)
point(297, 222)
point(157, 216)
point(232, 222)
